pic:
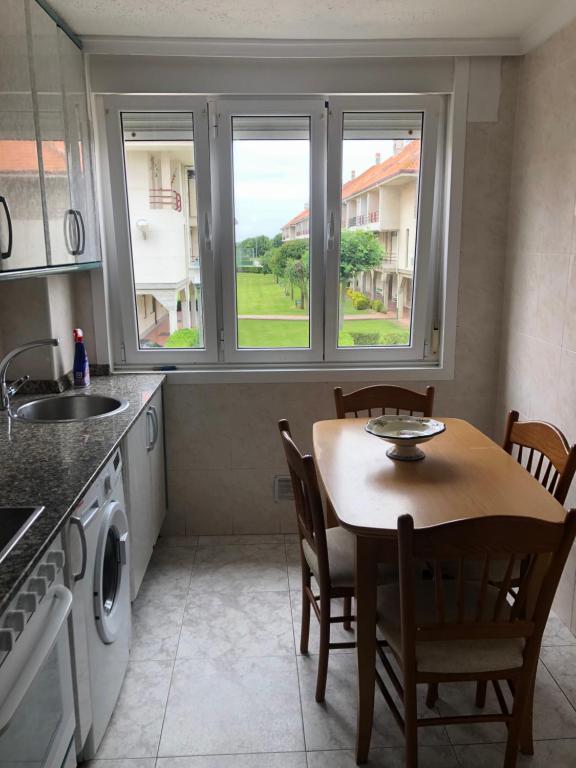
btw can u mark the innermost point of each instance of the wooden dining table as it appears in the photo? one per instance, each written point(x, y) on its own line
point(464, 474)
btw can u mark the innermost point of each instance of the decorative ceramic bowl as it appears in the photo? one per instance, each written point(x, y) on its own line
point(405, 433)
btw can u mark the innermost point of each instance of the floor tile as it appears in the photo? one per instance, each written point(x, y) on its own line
point(270, 760)
point(176, 541)
point(156, 623)
point(218, 624)
point(337, 632)
point(134, 730)
point(332, 725)
point(547, 754)
point(557, 633)
point(243, 539)
point(240, 568)
point(229, 706)
point(129, 762)
point(170, 569)
point(554, 718)
point(561, 663)
point(392, 757)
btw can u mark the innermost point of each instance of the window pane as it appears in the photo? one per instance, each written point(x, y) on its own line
point(161, 187)
point(380, 175)
point(271, 158)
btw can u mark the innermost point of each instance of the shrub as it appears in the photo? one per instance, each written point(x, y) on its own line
point(185, 337)
point(365, 339)
point(394, 338)
point(361, 302)
point(377, 305)
point(251, 269)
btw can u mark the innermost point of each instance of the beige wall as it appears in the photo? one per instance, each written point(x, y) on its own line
point(538, 365)
point(223, 448)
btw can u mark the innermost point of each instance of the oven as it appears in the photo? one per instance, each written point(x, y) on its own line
point(36, 698)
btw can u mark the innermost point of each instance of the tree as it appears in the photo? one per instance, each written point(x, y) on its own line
point(275, 262)
point(360, 251)
point(277, 240)
point(297, 274)
point(253, 247)
point(294, 249)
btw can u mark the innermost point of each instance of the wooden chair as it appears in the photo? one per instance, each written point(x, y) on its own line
point(383, 398)
point(458, 630)
point(326, 554)
point(542, 450)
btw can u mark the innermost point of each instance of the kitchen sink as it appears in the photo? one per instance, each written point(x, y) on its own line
point(14, 522)
point(70, 408)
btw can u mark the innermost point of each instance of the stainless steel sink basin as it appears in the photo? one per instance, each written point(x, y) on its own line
point(14, 522)
point(70, 408)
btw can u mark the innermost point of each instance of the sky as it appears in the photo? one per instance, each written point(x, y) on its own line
point(271, 180)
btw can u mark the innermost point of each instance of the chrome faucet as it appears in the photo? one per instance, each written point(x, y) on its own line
point(8, 390)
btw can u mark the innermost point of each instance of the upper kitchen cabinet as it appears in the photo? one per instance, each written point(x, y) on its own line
point(22, 234)
point(57, 139)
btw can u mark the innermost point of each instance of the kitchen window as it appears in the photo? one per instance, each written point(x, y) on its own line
point(268, 232)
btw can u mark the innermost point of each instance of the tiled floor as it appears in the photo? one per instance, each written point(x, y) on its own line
point(216, 680)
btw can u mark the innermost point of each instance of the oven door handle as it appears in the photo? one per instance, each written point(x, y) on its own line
point(58, 601)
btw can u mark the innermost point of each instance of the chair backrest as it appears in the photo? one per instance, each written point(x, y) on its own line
point(384, 398)
point(482, 609)
point(307, 499)
point(544, 451)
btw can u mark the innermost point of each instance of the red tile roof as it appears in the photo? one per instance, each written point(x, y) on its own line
point(406, 161)
point(302, 216)
point(20, 156)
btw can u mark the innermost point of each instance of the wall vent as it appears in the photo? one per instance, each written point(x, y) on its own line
point(283, 488)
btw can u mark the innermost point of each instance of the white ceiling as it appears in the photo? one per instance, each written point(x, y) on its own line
point(306, 19)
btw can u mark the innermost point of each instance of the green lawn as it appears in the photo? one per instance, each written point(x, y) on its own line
point(262, 295)
point(294, 333)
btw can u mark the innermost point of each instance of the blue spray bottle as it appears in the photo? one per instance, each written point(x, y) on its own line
point(81, 368)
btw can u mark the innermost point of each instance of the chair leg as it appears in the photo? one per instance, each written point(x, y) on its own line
point(432, 695)
point(305, 625)
point(526, 736)
point(410, 729)
point(522, 700)
point(481, 687)
point(324, 649)
point(348, 612)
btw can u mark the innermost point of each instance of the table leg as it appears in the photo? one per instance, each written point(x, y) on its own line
point(366, 588)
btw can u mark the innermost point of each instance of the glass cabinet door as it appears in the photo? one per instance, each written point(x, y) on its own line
point(78, 150)
point(22, 236)
point(63, 230)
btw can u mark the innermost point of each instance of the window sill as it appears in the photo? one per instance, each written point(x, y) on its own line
point(282, 375)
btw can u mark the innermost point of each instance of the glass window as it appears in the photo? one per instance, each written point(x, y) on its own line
point(380, 185)
point(271, 177)
point(160, 176)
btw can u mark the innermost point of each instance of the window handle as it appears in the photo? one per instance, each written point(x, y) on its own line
point(8, 252)
point(330, 243)
point(207, 237)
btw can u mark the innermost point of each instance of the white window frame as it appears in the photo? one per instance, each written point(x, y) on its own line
point(432, 108)
point(114, 106)
point(222, 162)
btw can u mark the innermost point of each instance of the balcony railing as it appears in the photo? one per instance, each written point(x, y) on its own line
point(363, 218)
point(165, 198)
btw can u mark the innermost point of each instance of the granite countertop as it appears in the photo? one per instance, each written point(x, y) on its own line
point(53, 464)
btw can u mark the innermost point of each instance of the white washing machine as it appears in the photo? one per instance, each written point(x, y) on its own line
point(100, 625)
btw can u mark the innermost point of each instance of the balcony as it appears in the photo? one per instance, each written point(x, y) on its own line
point(165, 198)
point(363, 218)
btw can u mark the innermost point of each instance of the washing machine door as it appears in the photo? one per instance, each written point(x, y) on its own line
point(111, 575)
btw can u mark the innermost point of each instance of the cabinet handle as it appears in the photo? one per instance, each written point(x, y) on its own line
point(149, 420)
point(8, 252)
point(82, 235)
point(155, 425)
point(68, 216)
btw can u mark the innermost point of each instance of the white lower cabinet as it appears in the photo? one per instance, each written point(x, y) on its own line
point(143, 451)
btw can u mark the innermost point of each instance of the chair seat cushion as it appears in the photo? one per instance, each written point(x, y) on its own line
point(448, 656)
point(341, 553)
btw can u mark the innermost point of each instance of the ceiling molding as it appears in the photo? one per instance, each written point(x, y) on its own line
point(561, 14)
point(302, 49)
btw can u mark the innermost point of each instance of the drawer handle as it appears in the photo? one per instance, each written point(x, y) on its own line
point(8, 252)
